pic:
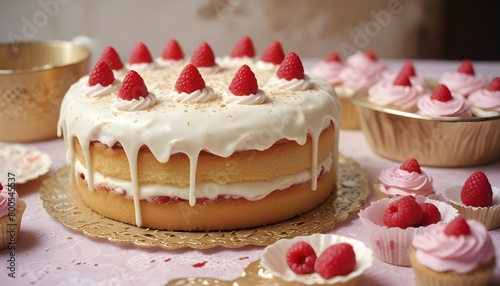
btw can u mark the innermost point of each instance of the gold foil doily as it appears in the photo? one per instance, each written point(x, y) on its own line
point(63, 203)
point(254, 274)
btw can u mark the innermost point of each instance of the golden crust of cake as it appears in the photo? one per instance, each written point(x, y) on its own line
point(283, 158)
point(218, 214)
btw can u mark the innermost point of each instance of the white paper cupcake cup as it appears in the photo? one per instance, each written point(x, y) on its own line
point(489, 216)
point(273, 258)
point(393, 244)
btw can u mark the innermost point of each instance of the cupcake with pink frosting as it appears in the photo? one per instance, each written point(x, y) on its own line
point(485, 102)
point(405, 179)
point(417, 80)
point(464, 81)
point(361, 71)
point(458, 253)
point(330, 69)
point(442, 103)
point(11, 214)
point(399, 92)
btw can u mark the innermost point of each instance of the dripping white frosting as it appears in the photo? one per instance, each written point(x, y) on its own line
point(213, 126)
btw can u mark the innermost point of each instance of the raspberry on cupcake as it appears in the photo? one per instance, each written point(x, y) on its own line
point(405, 179)
point(442, 103)
point(391, 224)
point(458, 253)
point(476, 199)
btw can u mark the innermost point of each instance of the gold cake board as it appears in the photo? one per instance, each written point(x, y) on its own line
point(63, 203)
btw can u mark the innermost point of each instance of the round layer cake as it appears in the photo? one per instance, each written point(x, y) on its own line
point(178, 163)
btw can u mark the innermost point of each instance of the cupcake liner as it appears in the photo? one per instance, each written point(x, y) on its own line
point(425, 276)
point(9, 230)
point(349, 114)
point(489, 216)
point(273, 258)
point(393, 244)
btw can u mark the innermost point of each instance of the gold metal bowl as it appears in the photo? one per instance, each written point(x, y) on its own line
point(34, 76)
point(438, 142)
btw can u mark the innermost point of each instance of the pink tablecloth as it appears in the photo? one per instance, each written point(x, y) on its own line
point(50, 254)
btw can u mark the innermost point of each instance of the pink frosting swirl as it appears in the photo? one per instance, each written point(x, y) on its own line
point(418, 81)
point(456, 107)
point(460, 254)
point(385, 92)
point(462, 83)
point(485, 102)
point(361, 71)
point(398, 182)
point(330, 71)
point(5, 198)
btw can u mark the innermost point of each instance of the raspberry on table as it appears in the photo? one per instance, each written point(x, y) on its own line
point(301, 257)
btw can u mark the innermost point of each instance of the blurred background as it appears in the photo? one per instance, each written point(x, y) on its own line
point(426, 29)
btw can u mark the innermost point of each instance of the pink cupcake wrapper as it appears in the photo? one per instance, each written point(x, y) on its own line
point(392, 245)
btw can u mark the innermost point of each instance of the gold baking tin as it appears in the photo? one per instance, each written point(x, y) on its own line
point(438, 142)
point(34, 76)
point(63, 203)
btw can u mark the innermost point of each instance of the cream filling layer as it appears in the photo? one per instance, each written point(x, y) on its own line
point(251, 191)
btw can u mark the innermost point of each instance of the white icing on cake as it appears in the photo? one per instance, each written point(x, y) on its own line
point(214, 126)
